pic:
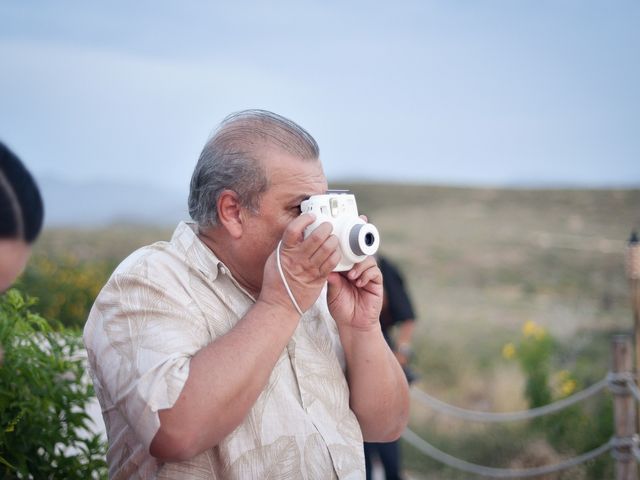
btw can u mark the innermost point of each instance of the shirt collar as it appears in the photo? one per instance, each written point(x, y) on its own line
point(196, 252)
point(200, 256)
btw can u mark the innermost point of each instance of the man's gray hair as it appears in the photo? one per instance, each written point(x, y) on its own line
point(231, 160)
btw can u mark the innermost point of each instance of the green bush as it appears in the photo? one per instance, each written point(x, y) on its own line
point(44, 430)
point(534, 354)
point(65, 286)
point(578, 428)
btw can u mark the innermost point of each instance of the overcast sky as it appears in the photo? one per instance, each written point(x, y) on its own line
point(465, 92)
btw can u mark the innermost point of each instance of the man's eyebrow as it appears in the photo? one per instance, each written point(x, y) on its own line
point(300, 198)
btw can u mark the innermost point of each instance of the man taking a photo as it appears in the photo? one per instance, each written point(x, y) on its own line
point(202, 364)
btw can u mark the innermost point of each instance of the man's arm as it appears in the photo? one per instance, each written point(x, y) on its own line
point(225, 379)
point(379, 393)
point(227, 376)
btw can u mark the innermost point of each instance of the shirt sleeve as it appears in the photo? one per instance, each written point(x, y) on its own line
point(142, 336)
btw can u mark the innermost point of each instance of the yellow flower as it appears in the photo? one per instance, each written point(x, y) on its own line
point(540, 333)
point(509, 351)
point(529, 328)
point(568, 387)
point(532, 329)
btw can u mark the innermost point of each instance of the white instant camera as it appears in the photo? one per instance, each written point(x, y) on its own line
point(358, 239)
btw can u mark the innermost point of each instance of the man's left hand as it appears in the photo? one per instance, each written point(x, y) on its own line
point(355, 297)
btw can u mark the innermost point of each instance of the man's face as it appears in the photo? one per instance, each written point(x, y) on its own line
point(291, 180)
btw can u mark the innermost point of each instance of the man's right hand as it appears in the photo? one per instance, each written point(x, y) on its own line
point(306, 264)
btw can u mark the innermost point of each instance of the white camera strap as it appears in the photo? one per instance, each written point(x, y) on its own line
point(284, 280)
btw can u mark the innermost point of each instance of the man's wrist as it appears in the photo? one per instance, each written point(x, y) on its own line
point(350, 334)
point(282, 309)
point(360, 326)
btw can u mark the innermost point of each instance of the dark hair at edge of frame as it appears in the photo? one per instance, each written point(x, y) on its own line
point(21, 208)
point(230, 160)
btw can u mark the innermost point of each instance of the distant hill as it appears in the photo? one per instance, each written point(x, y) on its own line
point(100, 203)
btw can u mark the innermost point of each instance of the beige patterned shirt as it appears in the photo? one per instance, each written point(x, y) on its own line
point(163, 304)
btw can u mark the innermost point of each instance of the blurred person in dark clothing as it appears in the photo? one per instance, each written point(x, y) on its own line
point(397, 320)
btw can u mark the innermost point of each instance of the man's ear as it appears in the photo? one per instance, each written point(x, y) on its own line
point(230, 213)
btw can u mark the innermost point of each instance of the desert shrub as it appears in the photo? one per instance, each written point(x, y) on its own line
point(65, 286)
point(534, 355)
point(44, 430)
point(579, 428)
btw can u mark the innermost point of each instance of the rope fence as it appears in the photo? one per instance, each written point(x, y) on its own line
point(622, 448)
point(477, 416)
point(621, 383)
point(459, 464)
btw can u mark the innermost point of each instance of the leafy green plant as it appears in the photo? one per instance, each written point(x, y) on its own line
point(578, 428)
point(534, 355)
point(44, 429)
point(65, 286)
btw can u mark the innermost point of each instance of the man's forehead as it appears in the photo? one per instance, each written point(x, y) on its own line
point(291, 178)
point(292, 192)
point(302, 197)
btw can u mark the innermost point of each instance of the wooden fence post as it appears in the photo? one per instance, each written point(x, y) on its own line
point(624, 409)
point(632, 264)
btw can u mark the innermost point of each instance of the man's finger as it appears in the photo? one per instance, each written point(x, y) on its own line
point(358, 268)
point(294, 232)
point(371, 274)
point(330, 263)
point(318, 237)
point(325, 248)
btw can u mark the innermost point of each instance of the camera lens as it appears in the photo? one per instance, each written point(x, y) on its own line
point(363, 239)
point(369, 239)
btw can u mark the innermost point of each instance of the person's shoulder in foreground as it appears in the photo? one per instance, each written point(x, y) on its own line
point(21, 216)
point(202, 365)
